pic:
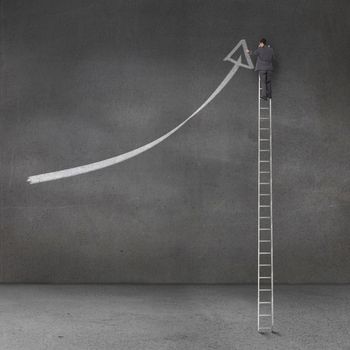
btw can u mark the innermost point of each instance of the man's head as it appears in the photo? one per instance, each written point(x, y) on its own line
point(262, 42)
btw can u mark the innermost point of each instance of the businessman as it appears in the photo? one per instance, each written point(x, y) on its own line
point(265, 55)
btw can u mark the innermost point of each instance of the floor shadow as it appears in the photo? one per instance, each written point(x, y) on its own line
point(270, 334)
point(276, 333)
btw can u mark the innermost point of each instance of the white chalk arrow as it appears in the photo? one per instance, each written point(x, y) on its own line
point(55, 175)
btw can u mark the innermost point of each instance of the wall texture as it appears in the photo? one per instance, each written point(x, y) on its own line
point(85, 80)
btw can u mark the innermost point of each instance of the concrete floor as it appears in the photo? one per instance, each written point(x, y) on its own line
point(150, 317)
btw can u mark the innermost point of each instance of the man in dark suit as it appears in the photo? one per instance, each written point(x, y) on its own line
point(265, 55)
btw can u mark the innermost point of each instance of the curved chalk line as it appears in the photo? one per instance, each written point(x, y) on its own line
point(122, 157)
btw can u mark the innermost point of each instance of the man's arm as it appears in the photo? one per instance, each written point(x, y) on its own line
point(273, 54)
point(253, 53)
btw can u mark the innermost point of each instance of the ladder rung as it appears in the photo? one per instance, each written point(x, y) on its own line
point(264, 206)
point(265, 172)
point(264, 194)
point(264, 108)
point(265, 278)
point(265, 253)
point(265, 290)
point(264, 139)
point(264, 118)
point(264, 264)
point(265, 315)
point(264, 183)
point(264, 229)
point(264, 150)
point(264, 128)
point(265, 302)
point(265, 240)
point(264, 161)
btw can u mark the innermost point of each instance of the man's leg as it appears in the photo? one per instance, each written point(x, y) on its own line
point(268, 84)
point(262, 75)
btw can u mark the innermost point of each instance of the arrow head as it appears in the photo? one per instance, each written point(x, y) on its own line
point(238, 49)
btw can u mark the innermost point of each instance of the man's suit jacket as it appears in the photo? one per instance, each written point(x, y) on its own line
point(265, 55)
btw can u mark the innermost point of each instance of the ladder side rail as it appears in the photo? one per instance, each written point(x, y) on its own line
point(259, 204)
point(271, 214)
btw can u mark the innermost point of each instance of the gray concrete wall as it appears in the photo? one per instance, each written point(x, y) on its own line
point(82, 81)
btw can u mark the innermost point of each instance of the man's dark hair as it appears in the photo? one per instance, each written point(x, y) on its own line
point(263, 40)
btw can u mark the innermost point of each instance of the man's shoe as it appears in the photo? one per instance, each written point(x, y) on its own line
point(263, 98)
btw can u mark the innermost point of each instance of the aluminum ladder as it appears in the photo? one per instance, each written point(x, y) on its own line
point(265, 305)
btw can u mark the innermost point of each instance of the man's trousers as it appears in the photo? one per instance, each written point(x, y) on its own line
point(265, 83)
